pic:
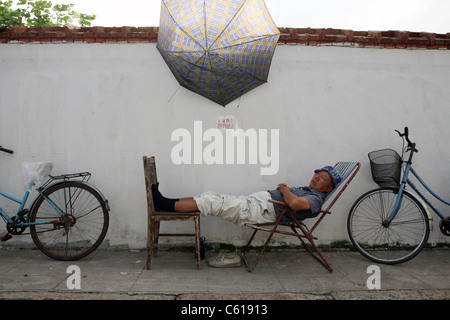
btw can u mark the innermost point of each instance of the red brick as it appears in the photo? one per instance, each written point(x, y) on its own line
point(305, 36)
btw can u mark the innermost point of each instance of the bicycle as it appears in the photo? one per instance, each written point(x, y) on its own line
point(67, 220)
point(391, 225)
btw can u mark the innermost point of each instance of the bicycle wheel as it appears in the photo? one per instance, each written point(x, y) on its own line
point(402, 240)
point(79, 231)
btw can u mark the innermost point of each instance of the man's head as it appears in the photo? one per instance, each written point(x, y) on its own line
point(325, 179)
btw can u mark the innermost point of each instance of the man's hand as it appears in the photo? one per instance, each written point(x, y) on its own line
point(294, 202)
point(282, 187)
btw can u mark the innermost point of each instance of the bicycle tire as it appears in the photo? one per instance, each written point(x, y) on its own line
point(82, 228)
point(402, 240)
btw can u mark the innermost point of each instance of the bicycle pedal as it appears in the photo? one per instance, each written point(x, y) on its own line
point(23, 212)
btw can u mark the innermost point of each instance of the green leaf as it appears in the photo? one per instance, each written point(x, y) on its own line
point(41, 13)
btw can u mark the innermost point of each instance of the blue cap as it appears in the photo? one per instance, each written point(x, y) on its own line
point(336, 177)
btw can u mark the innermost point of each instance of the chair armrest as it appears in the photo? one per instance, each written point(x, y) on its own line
point(279, 203)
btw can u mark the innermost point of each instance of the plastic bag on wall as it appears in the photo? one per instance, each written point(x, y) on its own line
point(36, 173)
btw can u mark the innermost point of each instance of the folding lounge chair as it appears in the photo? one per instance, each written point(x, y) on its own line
point(348, 171)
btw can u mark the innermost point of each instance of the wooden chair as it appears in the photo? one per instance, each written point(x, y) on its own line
point(348, 171)
point(155, 218)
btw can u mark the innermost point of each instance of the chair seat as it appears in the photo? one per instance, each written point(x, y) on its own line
point(176, 214)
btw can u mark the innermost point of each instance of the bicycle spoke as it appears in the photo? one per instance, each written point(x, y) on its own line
point(79, 231)
point(401, 240)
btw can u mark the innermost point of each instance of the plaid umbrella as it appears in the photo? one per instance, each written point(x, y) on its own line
point(220, 49)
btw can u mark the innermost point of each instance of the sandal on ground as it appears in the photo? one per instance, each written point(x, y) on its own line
point(225, 260)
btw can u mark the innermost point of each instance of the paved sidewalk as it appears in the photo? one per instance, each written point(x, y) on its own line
point(28, 274)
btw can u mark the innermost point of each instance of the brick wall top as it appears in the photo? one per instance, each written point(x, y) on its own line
point(381, 39)
point(299, 36)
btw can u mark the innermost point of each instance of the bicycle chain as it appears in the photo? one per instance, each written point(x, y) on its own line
point(13, 228)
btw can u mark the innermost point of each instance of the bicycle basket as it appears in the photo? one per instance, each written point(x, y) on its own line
point(386, 166)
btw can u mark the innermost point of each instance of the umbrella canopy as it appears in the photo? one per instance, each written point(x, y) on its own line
point(220, 49)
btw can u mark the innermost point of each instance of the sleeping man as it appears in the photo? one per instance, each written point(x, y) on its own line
point(256, 208)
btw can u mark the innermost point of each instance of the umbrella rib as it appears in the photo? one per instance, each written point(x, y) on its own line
point(222, 95)
point(226, 62)
point(204, 20)
point(179, 27)
point(200, 88)
point(254, 77)
point(223, 30)
point(257, 39)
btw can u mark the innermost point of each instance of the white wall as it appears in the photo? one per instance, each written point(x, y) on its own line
point(101, 107)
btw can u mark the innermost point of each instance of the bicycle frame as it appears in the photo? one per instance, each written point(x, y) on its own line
point(439, 213)
point(22, 204)
point(406, 180)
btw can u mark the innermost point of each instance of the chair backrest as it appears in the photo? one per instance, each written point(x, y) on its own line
point(348, 171)
point(150, 178)
point(150, 169)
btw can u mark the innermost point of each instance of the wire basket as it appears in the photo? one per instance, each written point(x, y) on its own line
point(386, 167)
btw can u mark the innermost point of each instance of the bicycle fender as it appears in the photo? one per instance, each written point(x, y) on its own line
point(424, 205)
point(101, 195)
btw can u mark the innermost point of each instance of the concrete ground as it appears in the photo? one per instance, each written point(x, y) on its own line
point(121, 275)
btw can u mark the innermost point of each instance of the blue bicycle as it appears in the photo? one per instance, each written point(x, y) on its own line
point(391, 225)
point(68, 219)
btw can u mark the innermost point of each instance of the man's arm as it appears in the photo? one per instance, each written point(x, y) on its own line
point(294, 202)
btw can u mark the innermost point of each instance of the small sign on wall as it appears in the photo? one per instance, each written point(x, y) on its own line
point(226, 122)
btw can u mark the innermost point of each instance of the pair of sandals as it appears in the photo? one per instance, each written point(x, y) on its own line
point(225, 260)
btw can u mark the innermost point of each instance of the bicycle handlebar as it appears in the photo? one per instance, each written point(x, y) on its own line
point(6, 150)
point(411, 145)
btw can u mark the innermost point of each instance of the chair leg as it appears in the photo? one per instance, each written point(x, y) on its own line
point(318, 255)
point(156, 226)
point(247, 247)
point(149, 258)
point(266, 244)
point(149, 244)
point(197, 240)
point(322, 259)
point(249, 241)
